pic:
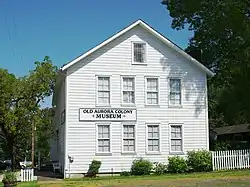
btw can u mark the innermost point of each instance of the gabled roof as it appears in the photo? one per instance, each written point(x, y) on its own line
point(150, 30)
point(234, 129)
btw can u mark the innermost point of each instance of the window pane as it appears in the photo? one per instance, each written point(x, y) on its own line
point(156, 148)
point(125, 148)
point(103, 83)
point(152, 98)
point(106, 149)
point(153, 145)
point(131, 148)
point(131, 142)
point(104, 94)
point(129, 145)
point(103, 131)
point(139, 52)
point(152, 84)
point(155, 142)
point(128, 131)
point(150, 148)
point(103, 97)
point(176, 145)
point(175, 85)
point(176, 132)
point(126, 142)
point(153, 131)
point(150, 128)
point(128, 84)
point(175, 98)
point(128, 97)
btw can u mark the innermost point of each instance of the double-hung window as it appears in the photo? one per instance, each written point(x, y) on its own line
point(152, 96)
point(103, 138)
point(175, 92)
point(153, 138)
point(176, 138)
point(128, 138)
point(103, 90)
point(128, 90)
point(139, 52)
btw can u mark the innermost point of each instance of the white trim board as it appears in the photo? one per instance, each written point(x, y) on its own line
point(153, 32)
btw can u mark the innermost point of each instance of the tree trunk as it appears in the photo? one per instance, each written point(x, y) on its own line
point(33, 146)
point(10, 148)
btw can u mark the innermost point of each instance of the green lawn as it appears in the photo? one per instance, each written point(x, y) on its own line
point(213, 179)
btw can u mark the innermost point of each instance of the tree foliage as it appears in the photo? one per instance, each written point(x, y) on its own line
point(20, 100)
point(222, 33)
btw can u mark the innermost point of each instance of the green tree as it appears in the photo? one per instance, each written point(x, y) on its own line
point(44, 131)
point(20, 100)
point(222, 32)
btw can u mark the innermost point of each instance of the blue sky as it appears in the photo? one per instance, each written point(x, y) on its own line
point(64, 29)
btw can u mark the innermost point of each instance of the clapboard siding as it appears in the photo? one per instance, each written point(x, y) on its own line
point(58, 146)
point(115, 60)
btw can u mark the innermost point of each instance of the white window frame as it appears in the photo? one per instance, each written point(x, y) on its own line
point(110, 138)
point(122, 101)
point(182, 138)
point(97, 91)
point(159, 127)
point(181, 87)
point(145, 56)
point(158, 90)
point(135, 137)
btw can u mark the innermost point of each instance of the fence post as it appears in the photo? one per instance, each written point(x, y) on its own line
point(212, 154)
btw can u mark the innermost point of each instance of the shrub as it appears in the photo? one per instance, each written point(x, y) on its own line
point(199, 161)
point(222, 146)
point(125, 173)
point(160, 168)
point(94, 167)
point(177, 164)
point(141, 167)
point(10, 178)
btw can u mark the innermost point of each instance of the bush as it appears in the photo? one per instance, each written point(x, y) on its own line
point(9, 177)
point(94, 167)
point(199, 161)
point(141, 167)
point(177, 164)
point(125, 173)
point(160, 168)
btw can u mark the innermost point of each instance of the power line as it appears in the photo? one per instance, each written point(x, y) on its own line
point(10, 36)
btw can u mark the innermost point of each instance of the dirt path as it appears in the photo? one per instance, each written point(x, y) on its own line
point(232, 181)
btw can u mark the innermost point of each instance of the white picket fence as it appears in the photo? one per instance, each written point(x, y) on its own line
point(232, 159)
point(27, 174)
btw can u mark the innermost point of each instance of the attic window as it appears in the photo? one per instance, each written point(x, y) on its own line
point(139, 52)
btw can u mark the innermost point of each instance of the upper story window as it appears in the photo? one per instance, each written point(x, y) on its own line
point(139, 52)
point(128, 90)
point(152, 96)
point(103, 90)
point(175, 92)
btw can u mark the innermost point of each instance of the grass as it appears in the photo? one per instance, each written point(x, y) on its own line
point(213, 179)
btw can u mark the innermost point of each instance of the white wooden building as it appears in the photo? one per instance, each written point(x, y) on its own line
point(135, 95)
